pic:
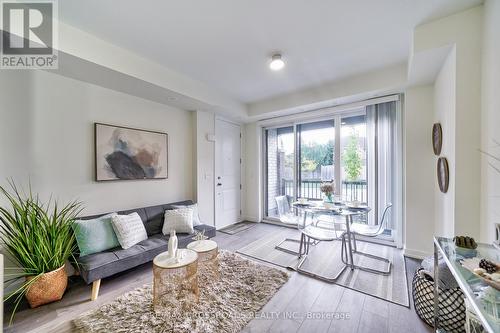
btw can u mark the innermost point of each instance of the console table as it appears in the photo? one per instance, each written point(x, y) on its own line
point(471, 285)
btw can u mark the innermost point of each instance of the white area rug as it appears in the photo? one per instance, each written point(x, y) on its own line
point(226, 304)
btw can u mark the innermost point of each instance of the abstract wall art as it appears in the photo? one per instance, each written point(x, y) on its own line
point(123, 153)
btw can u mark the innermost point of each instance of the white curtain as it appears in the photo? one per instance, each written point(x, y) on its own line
point(382, 159)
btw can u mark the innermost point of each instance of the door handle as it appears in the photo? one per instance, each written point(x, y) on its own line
point(219, 184)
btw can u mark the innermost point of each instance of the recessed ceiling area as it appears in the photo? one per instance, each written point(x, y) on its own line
point(227, 44)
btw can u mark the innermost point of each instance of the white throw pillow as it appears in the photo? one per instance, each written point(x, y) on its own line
point(180, 220)
point(196, 216)
point(129, 229)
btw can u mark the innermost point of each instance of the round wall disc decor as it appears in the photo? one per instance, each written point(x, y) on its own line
point(437, 138)
point(443, 174)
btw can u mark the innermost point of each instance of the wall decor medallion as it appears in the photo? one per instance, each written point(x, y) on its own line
point(123, 153)
point(437, 138)
point(443, 174)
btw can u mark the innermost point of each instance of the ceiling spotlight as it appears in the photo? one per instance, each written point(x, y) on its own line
point(276, 62)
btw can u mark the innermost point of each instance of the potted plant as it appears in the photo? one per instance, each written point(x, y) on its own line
point(38, 237)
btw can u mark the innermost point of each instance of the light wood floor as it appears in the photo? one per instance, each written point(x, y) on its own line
point(299, 297)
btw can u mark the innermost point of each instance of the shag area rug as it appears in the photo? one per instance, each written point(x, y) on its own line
point(226, 304)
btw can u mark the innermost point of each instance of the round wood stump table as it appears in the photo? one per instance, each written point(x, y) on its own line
point(175, 279)
point(208, 256)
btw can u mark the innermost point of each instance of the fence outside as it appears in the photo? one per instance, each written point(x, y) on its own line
point(310, 189)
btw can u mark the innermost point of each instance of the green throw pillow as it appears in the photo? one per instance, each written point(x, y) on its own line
point(95, 235)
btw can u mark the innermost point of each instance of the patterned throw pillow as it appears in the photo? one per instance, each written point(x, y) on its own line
point(95, 235)
point(180, 220)
point(196, 216)
point(129, 229)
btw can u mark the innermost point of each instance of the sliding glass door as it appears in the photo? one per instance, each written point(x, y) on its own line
point(316, 145)
point(280, 160)
point(356, 150)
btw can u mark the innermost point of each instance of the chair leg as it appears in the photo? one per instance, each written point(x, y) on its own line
point(301, 244)
point(302, 259)
point(279, 247)
point(385, 271)
point(95, 289)
point(343, 250)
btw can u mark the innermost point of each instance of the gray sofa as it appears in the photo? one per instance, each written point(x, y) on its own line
point(100, 265)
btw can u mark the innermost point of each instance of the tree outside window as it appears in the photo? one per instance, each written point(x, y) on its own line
point(352, 158)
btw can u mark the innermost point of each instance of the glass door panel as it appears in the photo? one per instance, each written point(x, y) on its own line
point(354, 169)
point(316, 145)
point(280, 159)
point(354, 162)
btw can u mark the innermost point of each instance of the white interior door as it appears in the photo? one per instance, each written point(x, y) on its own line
point(227, 173)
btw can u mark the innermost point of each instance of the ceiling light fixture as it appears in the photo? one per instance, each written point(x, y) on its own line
point(276, 62)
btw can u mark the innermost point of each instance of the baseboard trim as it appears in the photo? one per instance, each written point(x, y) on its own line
point(416, 254)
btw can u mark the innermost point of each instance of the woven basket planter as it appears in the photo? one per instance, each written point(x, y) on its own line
point(451, 304)
point(49, 287)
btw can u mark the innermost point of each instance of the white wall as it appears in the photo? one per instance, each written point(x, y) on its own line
point(490, 116)
point(15, 124)
point(47, 134)
point(464, 31)
point(419, 175)
point(205, 152)
point(445, 113)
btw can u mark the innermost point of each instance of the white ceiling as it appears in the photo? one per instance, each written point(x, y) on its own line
point(227, 43)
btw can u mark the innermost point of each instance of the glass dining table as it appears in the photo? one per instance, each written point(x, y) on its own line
point(348, 212)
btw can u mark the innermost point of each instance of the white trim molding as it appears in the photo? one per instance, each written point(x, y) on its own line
point(416, 254)
point(322, 113)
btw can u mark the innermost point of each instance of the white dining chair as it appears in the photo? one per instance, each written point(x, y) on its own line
point(368, 231)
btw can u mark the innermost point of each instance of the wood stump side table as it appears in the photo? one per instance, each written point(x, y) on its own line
point(208, 256)
point(175, 280)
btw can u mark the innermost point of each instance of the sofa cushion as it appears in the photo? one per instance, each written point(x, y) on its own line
point(154, 221)
point(180, 220)
point(209, 230)
point(95, 235)
point(140, 211)
point(179, 203)
point(154, 242)
point(99, 265)
point(93, 266)
point(135, 250)
point(129, 229)
point(196, 215)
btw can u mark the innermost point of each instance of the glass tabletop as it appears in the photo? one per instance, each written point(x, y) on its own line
point(332, 208)
point(473, 287)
